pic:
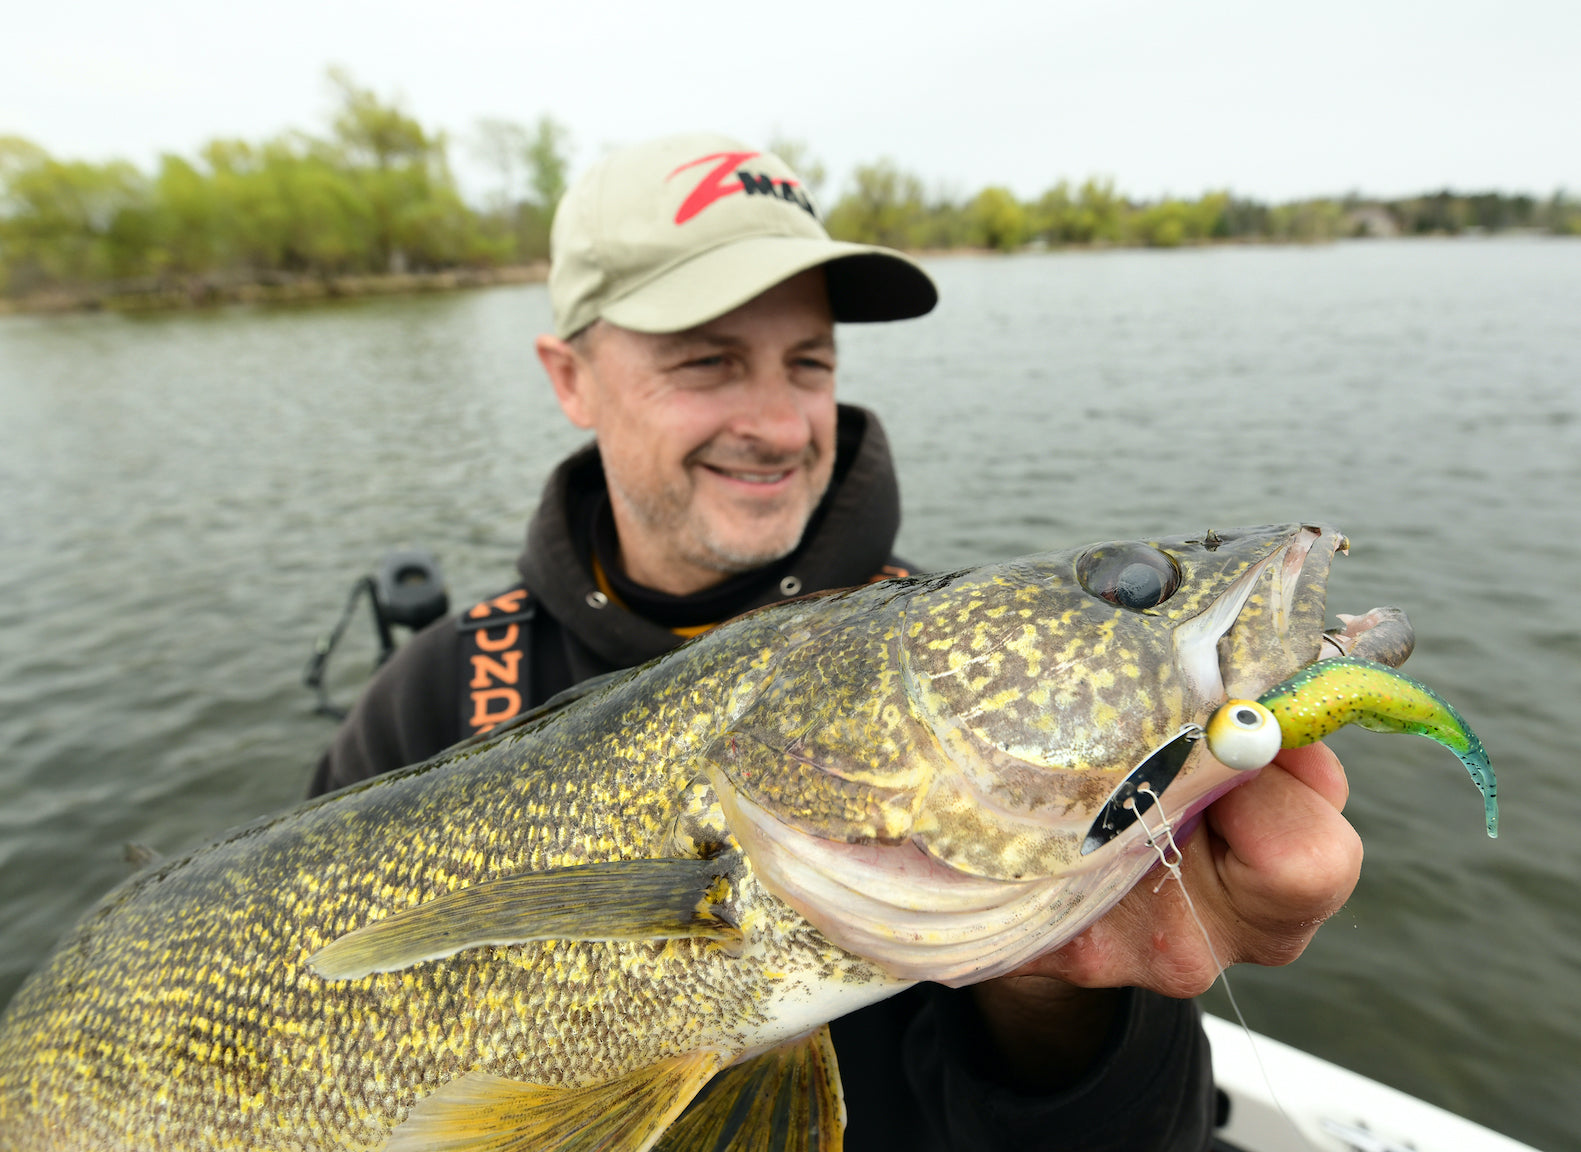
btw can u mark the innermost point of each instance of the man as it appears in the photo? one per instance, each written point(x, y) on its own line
point(695, 298)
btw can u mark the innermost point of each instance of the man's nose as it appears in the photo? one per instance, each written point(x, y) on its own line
point(775, 412)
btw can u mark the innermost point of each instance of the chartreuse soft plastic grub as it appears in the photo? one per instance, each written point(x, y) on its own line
point(1326, 696)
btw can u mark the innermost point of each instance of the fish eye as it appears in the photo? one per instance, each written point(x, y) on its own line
point(1134, 576)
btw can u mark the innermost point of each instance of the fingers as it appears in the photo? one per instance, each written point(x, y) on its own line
point(1286, 860)
point(1270, 862)
point(1319, 769)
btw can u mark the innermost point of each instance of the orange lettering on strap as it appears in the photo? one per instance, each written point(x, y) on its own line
point(484, 717)
point(509, 641)
point(484, 666)
point(510, 601)
point(505, 604)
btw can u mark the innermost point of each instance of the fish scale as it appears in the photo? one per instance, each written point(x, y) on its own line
point(285, 1053)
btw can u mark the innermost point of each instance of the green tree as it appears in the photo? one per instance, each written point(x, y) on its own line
point(944, 224)
point(1097, 214)
point(251, 215)
point(67, 223)
point(996, 219)
point(1161, 225)
point(17, 156)
point(883, 206)
point(1246, 218)
point(404, 177)
point(1171, 223)
point(331, 223)
point(1440, 213)
point(373, 132)
point(1307, 221)
point(191, 234)
point(546, 156)
point(1049, 217)
point(1210, 217)
point(531, 165)
point(548, 161)
point(1562, 215)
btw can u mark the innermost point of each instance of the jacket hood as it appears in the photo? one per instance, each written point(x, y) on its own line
point(848, 539)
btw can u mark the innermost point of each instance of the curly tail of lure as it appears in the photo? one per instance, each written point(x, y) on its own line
point(1326, 696)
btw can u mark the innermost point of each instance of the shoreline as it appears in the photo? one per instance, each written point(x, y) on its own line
point(280, 288)
point(1105, 246)
point(203, 292)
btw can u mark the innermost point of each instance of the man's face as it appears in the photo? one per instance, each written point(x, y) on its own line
point(717, 442)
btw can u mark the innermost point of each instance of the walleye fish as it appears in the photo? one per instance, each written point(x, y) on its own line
point(659, 888)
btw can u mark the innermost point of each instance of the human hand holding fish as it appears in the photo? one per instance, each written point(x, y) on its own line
point(1267, 864)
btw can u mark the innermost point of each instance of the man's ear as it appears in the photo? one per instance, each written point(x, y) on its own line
point(568, 374)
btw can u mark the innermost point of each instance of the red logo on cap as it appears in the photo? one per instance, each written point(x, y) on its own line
point(711, 187)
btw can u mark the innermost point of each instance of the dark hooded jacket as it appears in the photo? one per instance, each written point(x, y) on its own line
point(917, 1070)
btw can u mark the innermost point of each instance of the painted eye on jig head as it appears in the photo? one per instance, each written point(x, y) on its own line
point(1243, 735)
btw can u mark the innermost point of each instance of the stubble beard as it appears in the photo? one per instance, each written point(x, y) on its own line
point(669, 513)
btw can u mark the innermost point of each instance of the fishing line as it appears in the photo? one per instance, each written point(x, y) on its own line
point(1166, 829)
point(1163, 842)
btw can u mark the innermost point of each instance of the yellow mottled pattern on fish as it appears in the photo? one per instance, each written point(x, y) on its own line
point(182, 1013)
point(671, 880)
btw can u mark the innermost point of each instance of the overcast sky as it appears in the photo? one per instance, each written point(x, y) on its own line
point(1271, 99)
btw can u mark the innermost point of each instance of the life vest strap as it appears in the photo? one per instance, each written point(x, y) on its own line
point(495, 668)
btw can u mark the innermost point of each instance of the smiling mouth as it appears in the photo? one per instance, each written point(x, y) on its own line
point(764, 478)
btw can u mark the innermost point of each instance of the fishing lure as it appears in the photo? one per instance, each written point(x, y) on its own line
point(1326, 696)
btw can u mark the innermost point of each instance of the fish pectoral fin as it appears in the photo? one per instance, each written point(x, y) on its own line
point(611, 900)
point(483, 1113)
point(786, 1100)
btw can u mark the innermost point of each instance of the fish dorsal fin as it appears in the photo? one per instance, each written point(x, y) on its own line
point(483, 1113)
point(786, 1100)
point(139, 856)
point(611, 900)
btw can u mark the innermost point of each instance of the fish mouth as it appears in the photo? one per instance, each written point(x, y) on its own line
point(1266, 627)
point(896, 905)
point(1271, 623)
point(1266, 624)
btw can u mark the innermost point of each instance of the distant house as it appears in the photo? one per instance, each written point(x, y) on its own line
point(1371, 220)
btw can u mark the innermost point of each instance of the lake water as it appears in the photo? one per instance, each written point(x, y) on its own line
point(187, 499)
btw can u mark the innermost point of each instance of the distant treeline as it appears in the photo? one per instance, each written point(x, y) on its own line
point(376, 195)
point(885, 205)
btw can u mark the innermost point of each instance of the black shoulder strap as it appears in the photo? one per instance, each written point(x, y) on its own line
point(495, 668)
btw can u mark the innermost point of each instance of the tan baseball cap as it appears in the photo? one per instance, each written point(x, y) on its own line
point(666, 235)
